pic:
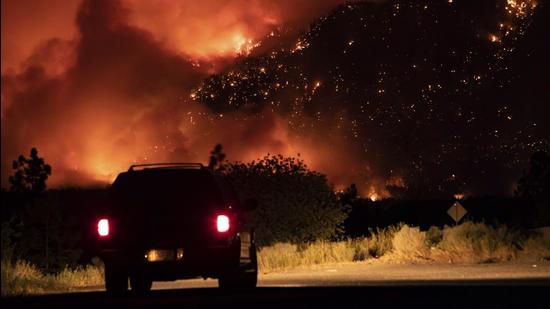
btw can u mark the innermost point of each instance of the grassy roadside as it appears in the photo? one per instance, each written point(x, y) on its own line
point(466, 243)
point(22, 278)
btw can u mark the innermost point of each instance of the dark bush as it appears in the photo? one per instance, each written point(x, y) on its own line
point(295, 204)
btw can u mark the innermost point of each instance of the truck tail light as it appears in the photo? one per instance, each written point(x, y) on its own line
point(103, 227)
point(222, 223)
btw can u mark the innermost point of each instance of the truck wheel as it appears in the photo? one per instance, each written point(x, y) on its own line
point(238, 279)
point(244, 277)
point(140, 284)
point(116, 280)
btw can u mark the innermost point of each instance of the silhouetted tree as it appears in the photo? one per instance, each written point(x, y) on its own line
point(216, 159)
point(30, 174)
point(349, 195)
point(30, 226)
point(535, 183)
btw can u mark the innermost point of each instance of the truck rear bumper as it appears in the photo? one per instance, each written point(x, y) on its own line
point(208, 262)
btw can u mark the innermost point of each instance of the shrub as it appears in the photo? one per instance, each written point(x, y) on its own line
point(536, 247)
point(296, 205)
point(478, 242)
point(409, 244)
point(361, 249)
point(434, 235)
point(380, 240)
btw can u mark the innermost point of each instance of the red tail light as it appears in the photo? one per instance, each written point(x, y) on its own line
point(222, 223)
point(103, 227)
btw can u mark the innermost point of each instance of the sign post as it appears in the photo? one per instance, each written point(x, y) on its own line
point(457, 211)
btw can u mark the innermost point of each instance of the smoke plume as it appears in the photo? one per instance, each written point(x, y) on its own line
point(99, 85)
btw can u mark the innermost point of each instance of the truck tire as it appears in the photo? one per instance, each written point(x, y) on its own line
point(243, 277)
point(116, 280)
point(140, 284)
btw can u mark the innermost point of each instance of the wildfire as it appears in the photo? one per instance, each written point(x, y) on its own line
point(374, 194)
point(459, 196)
point(243, 45)
point(103, 171)
point(520, 8)
point(300, 45)
point(374, 197)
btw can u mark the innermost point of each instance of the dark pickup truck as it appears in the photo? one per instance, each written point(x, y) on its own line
point(174, 221)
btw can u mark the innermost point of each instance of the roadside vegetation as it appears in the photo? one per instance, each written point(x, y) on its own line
point(465, 243)
point(22, 278)
point(300, 221)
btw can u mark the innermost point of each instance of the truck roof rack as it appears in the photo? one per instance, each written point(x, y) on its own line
point(166, 166)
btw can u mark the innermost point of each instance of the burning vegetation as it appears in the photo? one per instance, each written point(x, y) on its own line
point(358, 95)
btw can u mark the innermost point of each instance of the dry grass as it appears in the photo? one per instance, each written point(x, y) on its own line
point(284, 255)
point(465, 243)
point(410, 245)
point(477, 243)
point(80, 278)
point(23, 278)
point(536, 247)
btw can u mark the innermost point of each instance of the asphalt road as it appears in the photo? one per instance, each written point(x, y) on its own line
point(376, 274)
point(508, 285)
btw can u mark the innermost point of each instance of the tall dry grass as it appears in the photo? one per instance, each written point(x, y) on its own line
point(88, 276)
point(536, 247)
point(23, 278)
point(410, 244)
point(465, 243)
point(284, 255)
point(478, 242)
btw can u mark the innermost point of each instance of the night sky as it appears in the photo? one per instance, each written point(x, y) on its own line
point(436, 97)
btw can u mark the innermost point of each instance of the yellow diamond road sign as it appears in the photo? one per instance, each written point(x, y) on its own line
point(457, 211)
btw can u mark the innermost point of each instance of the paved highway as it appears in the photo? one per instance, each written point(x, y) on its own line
point(351, 285)
point(376, 274)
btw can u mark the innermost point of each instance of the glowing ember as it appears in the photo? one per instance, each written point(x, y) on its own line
point(300, 45)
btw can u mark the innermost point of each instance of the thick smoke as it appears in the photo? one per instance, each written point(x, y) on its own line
point(217, 27)
point(117, 91)
point(26, 24)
